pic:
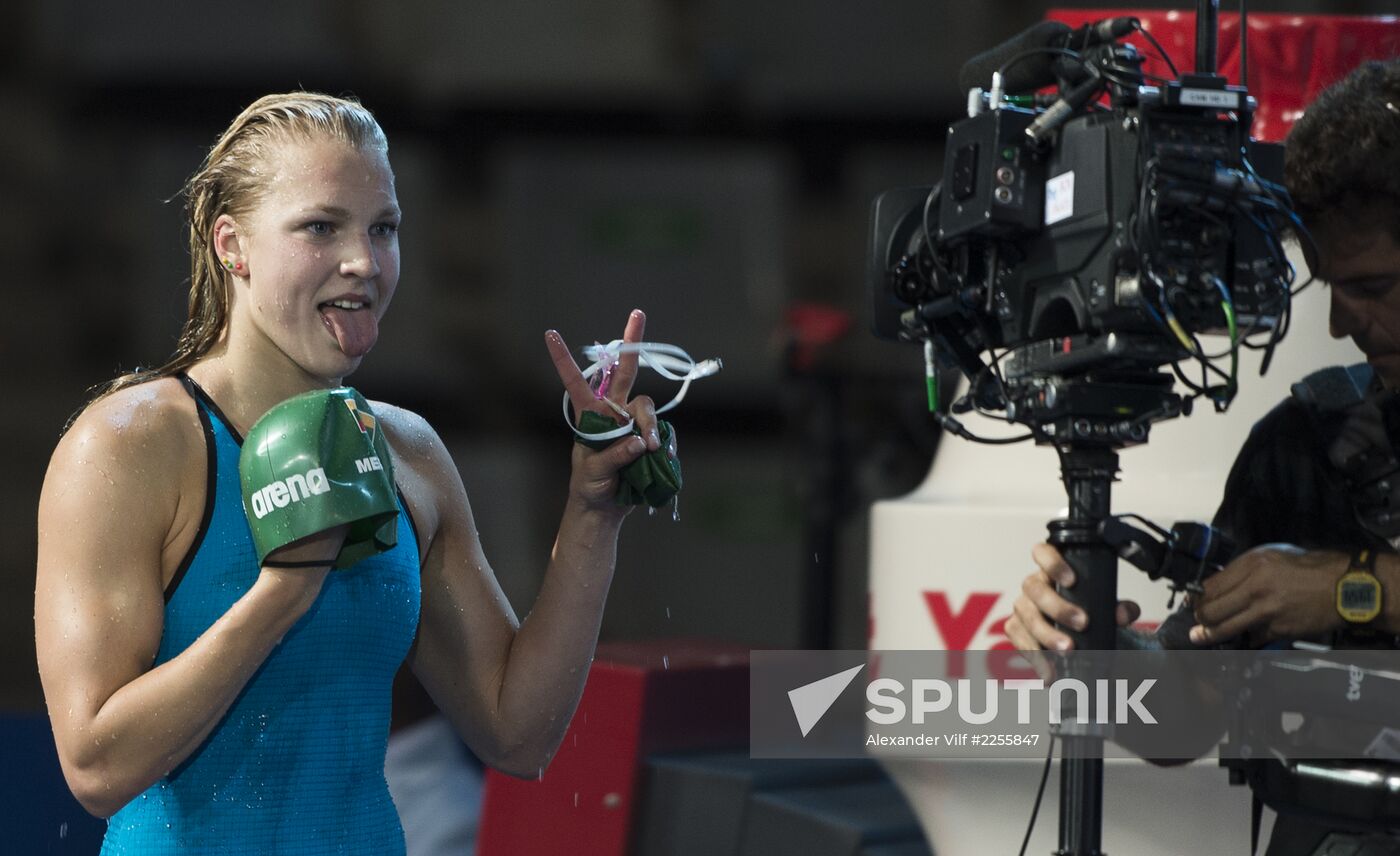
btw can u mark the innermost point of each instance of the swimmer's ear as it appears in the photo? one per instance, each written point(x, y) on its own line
point(228, 245)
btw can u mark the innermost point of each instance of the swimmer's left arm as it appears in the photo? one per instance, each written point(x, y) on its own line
point(510, 688)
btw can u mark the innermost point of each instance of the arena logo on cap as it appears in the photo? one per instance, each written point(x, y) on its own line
point(294, 488)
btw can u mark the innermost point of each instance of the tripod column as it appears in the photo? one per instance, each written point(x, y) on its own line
point(1088, 475)
point(1207, 30)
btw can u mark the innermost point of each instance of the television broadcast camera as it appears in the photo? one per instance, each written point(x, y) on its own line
point(1079, 242)
point(1091, 225)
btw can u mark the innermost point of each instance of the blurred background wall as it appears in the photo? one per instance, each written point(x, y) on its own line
point(559, 163)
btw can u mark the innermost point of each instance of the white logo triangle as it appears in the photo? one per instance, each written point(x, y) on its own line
point(810, 702)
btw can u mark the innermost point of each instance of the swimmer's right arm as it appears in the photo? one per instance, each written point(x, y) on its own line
point(107, 519)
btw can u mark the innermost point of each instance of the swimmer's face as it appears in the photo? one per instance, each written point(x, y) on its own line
point(321, 252)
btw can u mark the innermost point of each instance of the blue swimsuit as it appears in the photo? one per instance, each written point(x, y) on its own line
point(296, 765)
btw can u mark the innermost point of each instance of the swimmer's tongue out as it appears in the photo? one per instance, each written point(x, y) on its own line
point(356, 330)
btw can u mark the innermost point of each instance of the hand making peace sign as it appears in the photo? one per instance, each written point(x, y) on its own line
point(595, 473)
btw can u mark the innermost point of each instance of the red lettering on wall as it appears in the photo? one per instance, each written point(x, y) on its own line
point(958, 629)
point(998, 628)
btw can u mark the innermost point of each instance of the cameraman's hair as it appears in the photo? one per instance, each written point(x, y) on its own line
point(1343, 155)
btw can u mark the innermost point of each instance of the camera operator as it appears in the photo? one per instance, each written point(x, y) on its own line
point(1308, 495)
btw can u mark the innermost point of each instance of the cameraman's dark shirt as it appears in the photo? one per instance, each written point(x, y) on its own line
point(1283, 488)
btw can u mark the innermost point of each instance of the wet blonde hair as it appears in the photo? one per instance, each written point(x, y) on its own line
point(231, 181)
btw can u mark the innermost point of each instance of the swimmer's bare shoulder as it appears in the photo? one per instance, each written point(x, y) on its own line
point(127, 482)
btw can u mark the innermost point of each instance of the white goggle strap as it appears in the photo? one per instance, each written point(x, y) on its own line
point(669, 361)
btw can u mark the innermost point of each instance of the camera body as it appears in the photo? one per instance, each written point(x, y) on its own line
point(1091, 242)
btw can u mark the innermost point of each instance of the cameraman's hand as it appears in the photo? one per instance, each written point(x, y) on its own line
point(1030, 627)
point(1275, 591)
